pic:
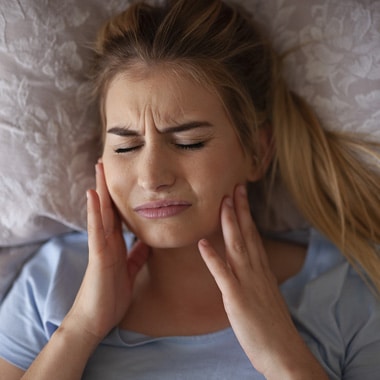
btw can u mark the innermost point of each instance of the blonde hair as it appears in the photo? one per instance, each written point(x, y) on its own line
point(334, 186)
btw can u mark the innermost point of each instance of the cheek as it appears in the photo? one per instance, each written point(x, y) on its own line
point(117, 182)
point(118, 189)
point(224, 173)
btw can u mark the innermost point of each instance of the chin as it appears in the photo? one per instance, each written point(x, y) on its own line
point(165, 238)
point(174, 234)
point(167, 242)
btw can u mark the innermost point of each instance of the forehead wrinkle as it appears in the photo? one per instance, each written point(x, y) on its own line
point(149, 107)
point(155, 116)
point(163, 114)
point(172, 113)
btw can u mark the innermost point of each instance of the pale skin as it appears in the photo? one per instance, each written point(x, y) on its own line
point(202, 266)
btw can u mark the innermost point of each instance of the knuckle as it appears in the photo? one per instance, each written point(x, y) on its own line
point(239, 247)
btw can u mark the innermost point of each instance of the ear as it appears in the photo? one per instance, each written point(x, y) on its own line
point(263, 157)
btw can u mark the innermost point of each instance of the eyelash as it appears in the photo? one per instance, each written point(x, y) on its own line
point(126, 150)
point(194, 146)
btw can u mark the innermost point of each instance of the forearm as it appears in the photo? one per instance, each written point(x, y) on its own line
point(64, 357)
point(298, 363)
point(312, 371)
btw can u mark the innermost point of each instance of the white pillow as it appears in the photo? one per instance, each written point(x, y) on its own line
point(337, 68)
point(48, 131)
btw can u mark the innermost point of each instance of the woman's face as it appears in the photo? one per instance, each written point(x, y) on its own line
point(170, 156)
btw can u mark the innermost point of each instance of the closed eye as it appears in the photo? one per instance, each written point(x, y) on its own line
point(127, 150)
point(193, 146)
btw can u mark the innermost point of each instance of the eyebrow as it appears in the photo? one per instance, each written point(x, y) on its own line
point(125, 131)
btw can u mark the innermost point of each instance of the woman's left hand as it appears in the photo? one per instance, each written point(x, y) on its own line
point(252, 299)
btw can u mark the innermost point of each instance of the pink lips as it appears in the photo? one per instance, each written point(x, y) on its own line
point(161, 209)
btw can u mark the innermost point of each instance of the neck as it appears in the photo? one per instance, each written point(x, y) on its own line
point(175, 294)
point(181, 272)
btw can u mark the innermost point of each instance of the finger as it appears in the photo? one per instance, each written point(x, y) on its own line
point(236, 250)
point(248, 228)
point(109, 217)
point(137, 257)
point(96, 239)
point(218, 268)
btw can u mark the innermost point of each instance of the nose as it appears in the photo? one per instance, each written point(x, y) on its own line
point(156, 168)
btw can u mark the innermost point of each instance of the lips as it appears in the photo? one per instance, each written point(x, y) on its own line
point(162, 209)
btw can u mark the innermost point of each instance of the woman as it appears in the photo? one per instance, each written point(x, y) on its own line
point(193, 109)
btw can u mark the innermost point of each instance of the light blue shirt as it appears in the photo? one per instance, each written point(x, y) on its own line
point(335, 313)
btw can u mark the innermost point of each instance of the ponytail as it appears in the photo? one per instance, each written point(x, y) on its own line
point(334, 178)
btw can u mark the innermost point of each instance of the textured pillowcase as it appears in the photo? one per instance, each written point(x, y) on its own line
point(337, 67)
point(48, 131)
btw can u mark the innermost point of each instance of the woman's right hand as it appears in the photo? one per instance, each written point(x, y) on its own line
point(106, 290)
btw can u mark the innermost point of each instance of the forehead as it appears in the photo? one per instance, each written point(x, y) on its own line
point(166, 93)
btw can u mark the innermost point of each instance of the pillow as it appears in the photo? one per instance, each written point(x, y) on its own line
point(48, 132)
point(337, 67)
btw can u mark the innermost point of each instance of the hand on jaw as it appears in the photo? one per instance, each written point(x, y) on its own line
point(252, 299)
point(106, 290)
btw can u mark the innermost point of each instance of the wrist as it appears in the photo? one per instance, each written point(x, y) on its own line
point(67, 342)
point(299, 373)
point(299, 366)
point(72, 333)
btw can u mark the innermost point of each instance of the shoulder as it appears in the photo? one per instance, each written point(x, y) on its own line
point(40, 298)
point(329, 277)
point(51, 278)
point(335, 311)
point(60, 262)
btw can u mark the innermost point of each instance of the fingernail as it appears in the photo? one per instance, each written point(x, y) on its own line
point(228, 201)
point(242, 190)
point(203, 242)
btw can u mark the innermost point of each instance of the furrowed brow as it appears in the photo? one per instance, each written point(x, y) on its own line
point(125, 131)
point(122, 131)
point(186, 127)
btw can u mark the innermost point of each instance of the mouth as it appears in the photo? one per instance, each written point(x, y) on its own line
point(161, 209)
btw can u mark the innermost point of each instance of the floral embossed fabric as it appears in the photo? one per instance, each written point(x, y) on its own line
point(337, 67)
point(47, 129)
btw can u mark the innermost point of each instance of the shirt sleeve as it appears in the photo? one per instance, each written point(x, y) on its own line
point(22, 333)
point(362, 357)
point(40, 298)
point(336, 313)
